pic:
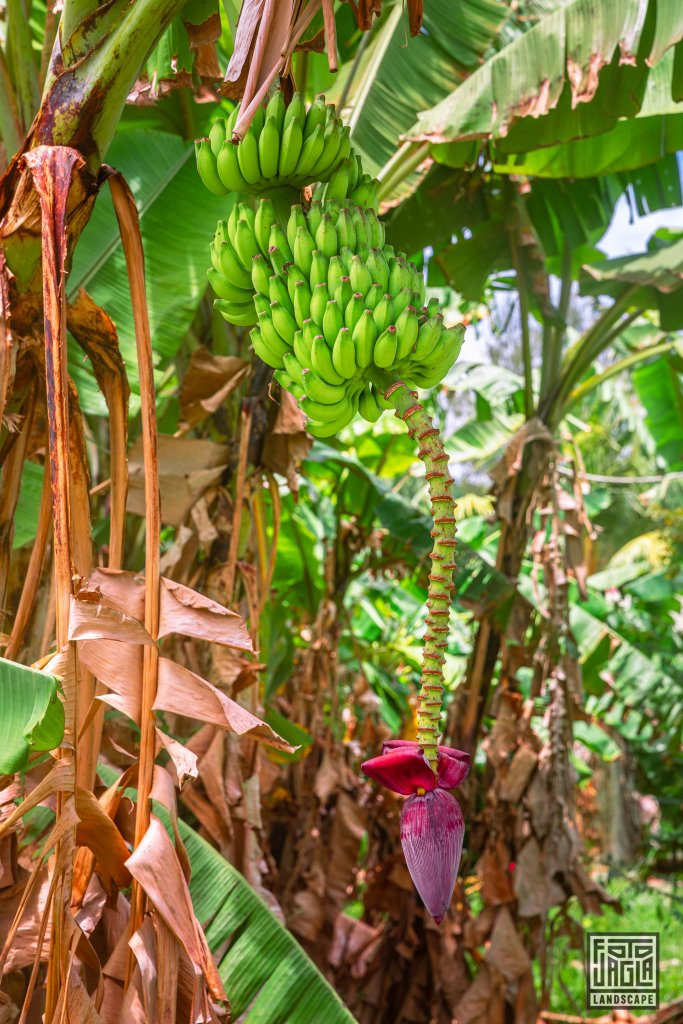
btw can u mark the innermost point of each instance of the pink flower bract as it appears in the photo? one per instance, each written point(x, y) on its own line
point(432, 825)
point(432, 833)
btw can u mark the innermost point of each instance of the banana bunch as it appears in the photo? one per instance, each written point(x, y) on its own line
point(289, 146)
point(335, 307)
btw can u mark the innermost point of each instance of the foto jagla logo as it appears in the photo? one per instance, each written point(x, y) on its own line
point(622, 969)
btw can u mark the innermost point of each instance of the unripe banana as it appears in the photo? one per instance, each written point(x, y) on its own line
point(302, 350)
point(375, 228)
point(264, 351)
point(367, 406)
point(378, 267)
point(373, 296)
point(401, 301)
point(343, 293)
point(360, 276)
point(295, 111)
point(304, 247)
point(331, 143)
point(245, 244)
point(407, 330)
point(293, 368)
point(257, 121)
point(276, 110)
point(319, 299)
point(319, 267)
point(302, 302)
point(241, 314)
point(231, 267)
point(353, 310)
point(346, 256)
point(344, 354)
point(261, 303)
point(286, 382)
point(247, 157)
point(228, 168)
point(278, 292)
point(270, 335)
point(384, 354)
point(232, 120)
point(360, 226)
point(206, 165)
point(400, 277)
point(225, 289)
point(294, 275)
point(309, 331)
point(333, 321)
point(269, 149)
point(364, 337)
point(283, 321)
point(379, 397)
point(383, 313)
point(427, 338)
point(321, 357)
point(335, 272)
point(322, 412)
point(279, 239)
point(263, 222)
point(290, 147)
point(311, 151)
point(316, 116)
point(333, 207)
point(217, 136)
point(320, 391)
point(277, 259)
point(314, 216)
point(332, 427)
point(295, 220)
point(346, 233)
point(326, 236)
point(245, 212)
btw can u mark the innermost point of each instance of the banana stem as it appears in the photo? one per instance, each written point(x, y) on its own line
point(431, 452)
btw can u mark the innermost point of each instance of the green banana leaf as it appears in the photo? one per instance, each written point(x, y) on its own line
point(28, 506)
point(396, 78)
point(659, 386)
point(31, 715)
point(573, 75)
point(177, 221)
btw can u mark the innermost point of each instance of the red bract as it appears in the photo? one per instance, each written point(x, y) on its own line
point(432, 831)
point(432, 825)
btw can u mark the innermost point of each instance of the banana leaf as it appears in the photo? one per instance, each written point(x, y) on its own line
point(31, 715)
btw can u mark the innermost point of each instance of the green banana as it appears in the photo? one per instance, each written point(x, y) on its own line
point(332, 427)
point(278, 238)
point(407, 331)
point(228, 168)
point(368, 407)
point(321, 357)
point(303, 248)
point(302, 349)
point(373, 296)
point(326, 236)
point(295, 220)
point(319, 299)
point(346, 233)
point(360, 276)
point(427, 338)
point(335, 272)
point(319, 267)
point(247, 157)
point(343, 293)
point(278, 292)
point(311, 152)
point(208, 172)
point(333, 321)
point(264, 351)
point(344, 354)
point(320, 391)
point(384, 355)
point(382, 313)
point(314, 217)
point(269, 148)
point(276, 110)
point(302, 302)
point(245, 244)
point(364, 337)
point(260, 274)
point(231, 266)
point(277, 259)
point(316, 116)
point(293, 368)
point(290, 147)
point(353, 311)
point(295, 111)
point(217, 135)
point(243, 314)
point(283, 321)
point(379, 268)
point(271, 336)
point(322, 412)
point(225, 289)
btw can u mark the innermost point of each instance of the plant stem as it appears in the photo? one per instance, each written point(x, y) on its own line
point(431, 452)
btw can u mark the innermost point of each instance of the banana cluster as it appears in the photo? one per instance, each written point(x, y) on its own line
point(335, 307)
point(289, 146)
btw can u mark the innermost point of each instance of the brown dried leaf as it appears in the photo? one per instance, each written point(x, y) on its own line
point(184, 611)
point(184, 693)
point(187, 467)
point(535, 889)
point(506, 951)
point(208, 381)
point(183, 760)
point(98, 832)
point(518, 774)
point(143, 944)
point(155, 866)
point(118, 666)
point(91, 620)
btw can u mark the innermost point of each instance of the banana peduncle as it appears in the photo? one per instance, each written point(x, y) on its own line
point(435, 459)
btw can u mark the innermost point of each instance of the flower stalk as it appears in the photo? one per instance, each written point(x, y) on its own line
point(432, 454)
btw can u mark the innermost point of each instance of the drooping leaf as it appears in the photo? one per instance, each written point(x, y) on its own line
point(660, 389)
point(31, 715)
point(177, 220)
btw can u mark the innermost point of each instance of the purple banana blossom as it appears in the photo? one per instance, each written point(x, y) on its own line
point(432, 825)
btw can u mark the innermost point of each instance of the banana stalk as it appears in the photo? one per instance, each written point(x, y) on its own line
point(439, 600)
